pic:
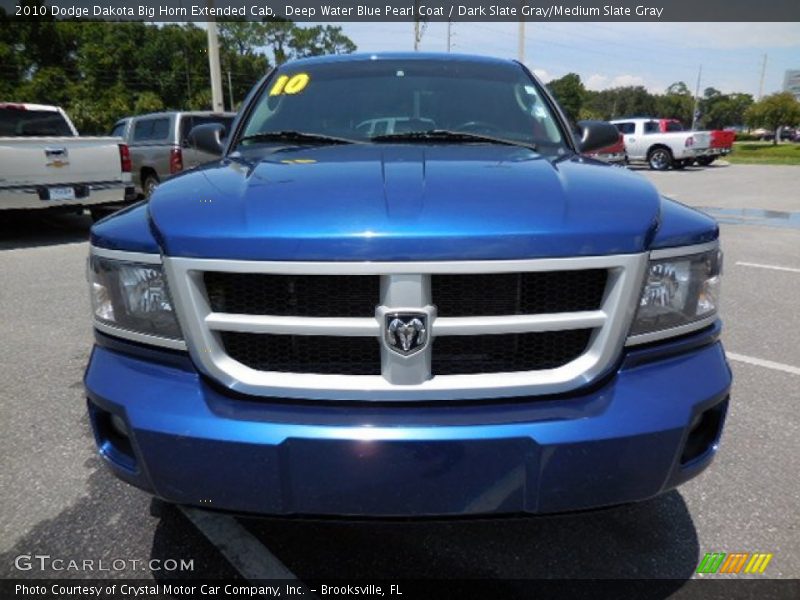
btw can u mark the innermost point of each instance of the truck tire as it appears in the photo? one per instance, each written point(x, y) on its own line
point(659, 158)
point(149, 184)
point(706, 160)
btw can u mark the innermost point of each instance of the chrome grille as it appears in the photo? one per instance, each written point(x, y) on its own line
point(316, 330)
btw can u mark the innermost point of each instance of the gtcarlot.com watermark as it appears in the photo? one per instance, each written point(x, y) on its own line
point(45, 562)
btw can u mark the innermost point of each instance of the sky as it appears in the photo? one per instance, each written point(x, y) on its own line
point(616, 54)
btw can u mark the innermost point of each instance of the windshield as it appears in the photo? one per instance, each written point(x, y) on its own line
point(367, 99)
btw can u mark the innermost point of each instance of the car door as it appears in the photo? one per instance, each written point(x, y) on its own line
point(633, 143)
point(138, 134)
point(158, 144)
point(188, 152)
point(645, 134)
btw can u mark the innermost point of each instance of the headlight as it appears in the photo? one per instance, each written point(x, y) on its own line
point(678, 292)
point(133, 297)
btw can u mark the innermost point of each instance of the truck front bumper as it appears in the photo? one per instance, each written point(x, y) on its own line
point(649, 426)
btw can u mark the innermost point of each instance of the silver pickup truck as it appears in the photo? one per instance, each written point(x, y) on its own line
point(644, 141)
point(158, 144)
point(44, 164)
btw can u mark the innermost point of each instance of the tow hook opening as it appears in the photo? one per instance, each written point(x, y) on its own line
point(113, 437)
point(704, 433)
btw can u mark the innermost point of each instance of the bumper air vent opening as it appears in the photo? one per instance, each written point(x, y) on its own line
point(112, 434)
point(704, 433)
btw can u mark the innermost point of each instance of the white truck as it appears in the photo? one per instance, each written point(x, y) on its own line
point(644, 141)
point(45, 164)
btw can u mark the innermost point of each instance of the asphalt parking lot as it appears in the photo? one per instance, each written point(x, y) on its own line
point(57, 499)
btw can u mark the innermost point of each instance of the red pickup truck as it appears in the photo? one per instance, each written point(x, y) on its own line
point(615, 153)
point(721, 140)
point(721, 143)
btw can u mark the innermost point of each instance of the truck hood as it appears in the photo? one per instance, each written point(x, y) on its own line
point(403, 202)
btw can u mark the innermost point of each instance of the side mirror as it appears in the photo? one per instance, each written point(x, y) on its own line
point(208, 138)
point(596, 135)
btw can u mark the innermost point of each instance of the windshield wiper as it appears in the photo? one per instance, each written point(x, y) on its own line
point(295, 136)
point(446, 135)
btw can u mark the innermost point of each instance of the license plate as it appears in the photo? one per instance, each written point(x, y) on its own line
point(62, 193)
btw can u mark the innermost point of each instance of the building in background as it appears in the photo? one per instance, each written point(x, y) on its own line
point(791, 82)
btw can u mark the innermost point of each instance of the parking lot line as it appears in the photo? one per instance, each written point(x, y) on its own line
point(760, 362)
point(773, 267)
point(245, 553)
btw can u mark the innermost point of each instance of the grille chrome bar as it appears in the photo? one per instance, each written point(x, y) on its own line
point(406, 286)
point(518, 323)
point(336, 326)
point(357, 327)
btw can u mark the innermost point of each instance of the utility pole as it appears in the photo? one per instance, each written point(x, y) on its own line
point(217, 104)
point(696, 99)
point(230, 90)
point(449, 34)
point(521, 35)
point(763, 72)
point(419, 29)
point(188, 79)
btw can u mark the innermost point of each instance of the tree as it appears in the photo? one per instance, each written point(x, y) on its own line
point(13, 63)
point(278, 33)
point(621, 102)
point(148, 102)
point(590, 114)
point(676, 103)
point(679, 88)
point(287, 40)
point(243, 62)
point(242, 37)
point(319, 40)
point(241, 44)
point(49, 85)
point(774, 111)
point(725, 110)
point(570, 93)
point(102, 71)
point(94, 112)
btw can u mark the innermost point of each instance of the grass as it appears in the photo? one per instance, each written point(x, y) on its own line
point(765, 153)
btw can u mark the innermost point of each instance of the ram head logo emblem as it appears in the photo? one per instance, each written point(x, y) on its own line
point(406, 333)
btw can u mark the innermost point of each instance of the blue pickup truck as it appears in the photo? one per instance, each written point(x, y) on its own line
point(402, 290)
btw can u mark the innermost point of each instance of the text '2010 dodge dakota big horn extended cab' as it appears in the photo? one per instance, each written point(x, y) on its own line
point(403, 291)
